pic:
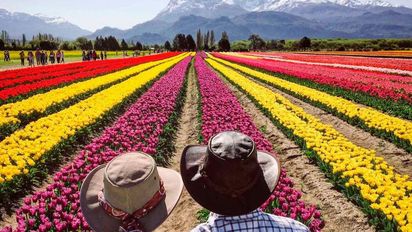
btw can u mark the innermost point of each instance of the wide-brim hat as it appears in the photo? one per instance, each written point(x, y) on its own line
point(126, 182)
point(229, 176)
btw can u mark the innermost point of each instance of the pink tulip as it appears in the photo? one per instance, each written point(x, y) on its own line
point(147, 110)
point(222, 111)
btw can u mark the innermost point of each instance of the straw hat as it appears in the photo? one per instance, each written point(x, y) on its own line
point(229, 176)
point(129, 194)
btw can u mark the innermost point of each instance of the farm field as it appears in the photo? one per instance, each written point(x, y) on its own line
point(340, 125)
point(385, 54)
point(69, 56)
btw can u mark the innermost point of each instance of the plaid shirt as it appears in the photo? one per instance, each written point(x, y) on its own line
point(254, 221)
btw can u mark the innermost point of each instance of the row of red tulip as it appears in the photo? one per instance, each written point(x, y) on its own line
point(353, 80)
point(393, 63)
point(93, 70)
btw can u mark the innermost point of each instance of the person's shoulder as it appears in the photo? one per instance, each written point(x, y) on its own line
point(204, 227)
point(287, 223)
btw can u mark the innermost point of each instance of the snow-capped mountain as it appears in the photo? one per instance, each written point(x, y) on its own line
point(284, 5)
point(16, 24)
point(51, 20)
point(206, 8)
point(181, 6)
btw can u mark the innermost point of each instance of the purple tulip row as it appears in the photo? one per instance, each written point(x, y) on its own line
point(57, 208)
point(221, 111)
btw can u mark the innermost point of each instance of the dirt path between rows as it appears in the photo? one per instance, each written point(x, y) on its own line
point(400, 159)
point(183, 217)
point(338, 213)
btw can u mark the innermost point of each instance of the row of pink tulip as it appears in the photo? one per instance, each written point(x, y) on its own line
point(57, 208)
point(221, 111)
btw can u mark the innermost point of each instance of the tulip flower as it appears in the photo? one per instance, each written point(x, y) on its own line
point(132, 126)
point(222, 111)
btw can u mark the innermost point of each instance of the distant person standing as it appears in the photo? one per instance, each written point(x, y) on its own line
point(52, 57)
point(30, 58)
point(105, 55)
point(5, 55)
point(38, 56)
point(84, 55)
point(46, 58)
point(58, 56)
point(62, 61)
point(22, 58)
point(42, 57)
point(94, 55)
point(101, 55)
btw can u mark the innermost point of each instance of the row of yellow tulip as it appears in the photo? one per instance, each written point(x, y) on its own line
point(370, 117)
point(25, 147)
point(377, 182)
point(10, 113)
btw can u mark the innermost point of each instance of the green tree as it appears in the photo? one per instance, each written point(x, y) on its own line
point(24, 40)
point(199, 40)
point(66, 45)
point(138, 46)
point(191, 45)
point(168, 47)
point(240, 46)
point(98, 43)
point(112, 44)
point(124, 45)
point(5, 36)
point(305, 43)
point(206, 41)
point(224, 43)
point(180, 43)
point(212, 40)
point(225, 35)
point(256, 43)
point(82, 43)
point(1, 44)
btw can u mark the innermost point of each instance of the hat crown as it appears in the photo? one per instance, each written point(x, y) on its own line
point(129, 170)
point(232, 145)
point(130, 181)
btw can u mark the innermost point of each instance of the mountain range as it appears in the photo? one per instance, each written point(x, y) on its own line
point(272, 19)
point(18, 23)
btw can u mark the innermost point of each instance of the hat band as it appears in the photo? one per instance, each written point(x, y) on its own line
point(234, 192)
point(130, 222)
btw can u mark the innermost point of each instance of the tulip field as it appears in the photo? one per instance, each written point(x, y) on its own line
point(57, 123)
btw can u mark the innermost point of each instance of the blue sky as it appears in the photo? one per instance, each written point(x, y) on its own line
point(94, 14)
point(91, 14)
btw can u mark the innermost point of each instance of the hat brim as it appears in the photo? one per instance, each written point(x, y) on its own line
point(100, 221)
point(194, 156)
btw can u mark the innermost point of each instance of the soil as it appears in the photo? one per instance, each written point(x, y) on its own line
point(337, 211)
point(183, 217)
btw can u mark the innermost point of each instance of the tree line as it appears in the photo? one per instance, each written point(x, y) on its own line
point(206, 41)
point(50, 42)
point(256, 43)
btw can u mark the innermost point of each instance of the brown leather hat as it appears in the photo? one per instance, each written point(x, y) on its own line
point(130, 191)
point(229, 176)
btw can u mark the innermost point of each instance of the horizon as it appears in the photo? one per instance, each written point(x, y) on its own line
point(120, 16)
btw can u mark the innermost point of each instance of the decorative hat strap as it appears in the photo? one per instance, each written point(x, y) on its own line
point(130, 222)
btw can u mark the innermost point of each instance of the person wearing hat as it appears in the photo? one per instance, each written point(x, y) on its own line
point(232, 179)
point(129, 194)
